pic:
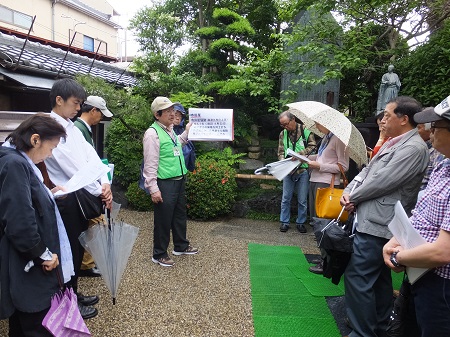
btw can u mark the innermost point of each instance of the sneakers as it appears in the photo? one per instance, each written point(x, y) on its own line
point(317, 269)
point(164, 261)
point(284, 227)
point(301, 228)
point(188, 251)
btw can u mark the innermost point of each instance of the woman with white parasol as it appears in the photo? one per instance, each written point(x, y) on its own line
point(332, 153)
point(341, 141)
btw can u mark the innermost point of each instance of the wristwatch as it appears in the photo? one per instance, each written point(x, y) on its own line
point(394, 261)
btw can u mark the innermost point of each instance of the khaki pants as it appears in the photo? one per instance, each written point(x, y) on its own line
point(88, 261)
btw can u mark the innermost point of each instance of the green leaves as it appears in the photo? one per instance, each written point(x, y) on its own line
point(157, 30)
point(211, 189)
point(426, 74)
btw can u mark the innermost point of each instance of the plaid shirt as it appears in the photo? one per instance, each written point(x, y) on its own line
point(432, 212)
point(435, 158)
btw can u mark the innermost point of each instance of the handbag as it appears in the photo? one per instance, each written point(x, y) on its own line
point(336, 238)
point(402, 321)
point(327, 200)
point(90, 205)
point(63, 319)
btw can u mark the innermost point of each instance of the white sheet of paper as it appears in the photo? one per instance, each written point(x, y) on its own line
point(88, 174)
point(211, 124)
point(301, 157)
point(408, 237)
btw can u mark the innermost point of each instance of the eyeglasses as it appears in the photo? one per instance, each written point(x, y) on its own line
point(283, 125)
point(433, 127)
point(169, 111)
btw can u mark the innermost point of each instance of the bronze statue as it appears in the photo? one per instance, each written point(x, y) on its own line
point(389, 88)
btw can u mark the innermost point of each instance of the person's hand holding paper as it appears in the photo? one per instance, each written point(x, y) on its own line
point(407, 237)
point(91, 172)
point(297, 156)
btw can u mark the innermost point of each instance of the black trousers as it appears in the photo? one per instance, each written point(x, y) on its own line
point(24, 324)
point(170, 215)
point(75, 223)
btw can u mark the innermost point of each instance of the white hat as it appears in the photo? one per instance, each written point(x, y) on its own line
point(440, 111)
point(161, 103)
point(99, 103)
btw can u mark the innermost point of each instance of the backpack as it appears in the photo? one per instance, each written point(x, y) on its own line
point(141, 181)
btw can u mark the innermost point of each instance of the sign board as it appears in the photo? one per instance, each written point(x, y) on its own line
point(211, 124)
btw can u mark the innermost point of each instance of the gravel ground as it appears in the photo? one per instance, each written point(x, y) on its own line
point(207, 294)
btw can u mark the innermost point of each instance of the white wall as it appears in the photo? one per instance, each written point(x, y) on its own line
point(65, 20)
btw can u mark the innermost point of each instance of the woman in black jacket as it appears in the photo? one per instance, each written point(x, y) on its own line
point(33, 242)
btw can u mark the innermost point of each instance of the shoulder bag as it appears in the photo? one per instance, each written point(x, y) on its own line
point(327, 200)
point(90, 205)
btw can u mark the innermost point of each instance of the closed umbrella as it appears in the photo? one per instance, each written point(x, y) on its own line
point(279, 169)
point(110, 246)
point(310, 112)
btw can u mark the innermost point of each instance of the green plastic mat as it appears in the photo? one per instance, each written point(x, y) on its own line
point(317, 285)
point(287, 299)
point(282, 298)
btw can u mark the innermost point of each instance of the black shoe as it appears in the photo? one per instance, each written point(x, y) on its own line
point(284, 227)
point(347, 322)
point(317, 269)
point(87, 300)
point(316, 261)
point(87, 311)
point(301, 228)
point(93, 272)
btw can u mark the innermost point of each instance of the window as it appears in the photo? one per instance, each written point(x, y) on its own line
point(88, 43)
point(15, 18)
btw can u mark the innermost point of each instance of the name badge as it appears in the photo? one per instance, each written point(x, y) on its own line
point(176, 152)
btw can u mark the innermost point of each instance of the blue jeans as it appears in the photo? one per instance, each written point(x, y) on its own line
point(298, 183)
point(432, 303)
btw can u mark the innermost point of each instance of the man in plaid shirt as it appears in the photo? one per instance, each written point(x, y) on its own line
point(431, 217)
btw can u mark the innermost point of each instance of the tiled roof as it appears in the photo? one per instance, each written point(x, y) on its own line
point(37, 57)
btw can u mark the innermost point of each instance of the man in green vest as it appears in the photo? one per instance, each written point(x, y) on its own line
point(92, 112)
point(295, 137)
point(165, 178)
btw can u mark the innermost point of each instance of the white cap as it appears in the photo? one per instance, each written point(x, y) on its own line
point(99, 103)
point(161, 103)
point(443, 108)
point(439, 112)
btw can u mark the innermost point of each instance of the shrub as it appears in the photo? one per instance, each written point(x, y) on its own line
point(211, 189)
point(138, 199)
point(226, 156)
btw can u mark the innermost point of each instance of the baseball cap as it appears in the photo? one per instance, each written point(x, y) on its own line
point(440, 111)
point(179, 107)
point(161, 103)
point(99, 103)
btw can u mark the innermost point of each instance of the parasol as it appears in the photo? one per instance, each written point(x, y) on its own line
point(110, 246)
point(310, 112)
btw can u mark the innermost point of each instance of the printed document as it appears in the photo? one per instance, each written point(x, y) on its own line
point(89, 173)
point(291, 153)
point(408, 237)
